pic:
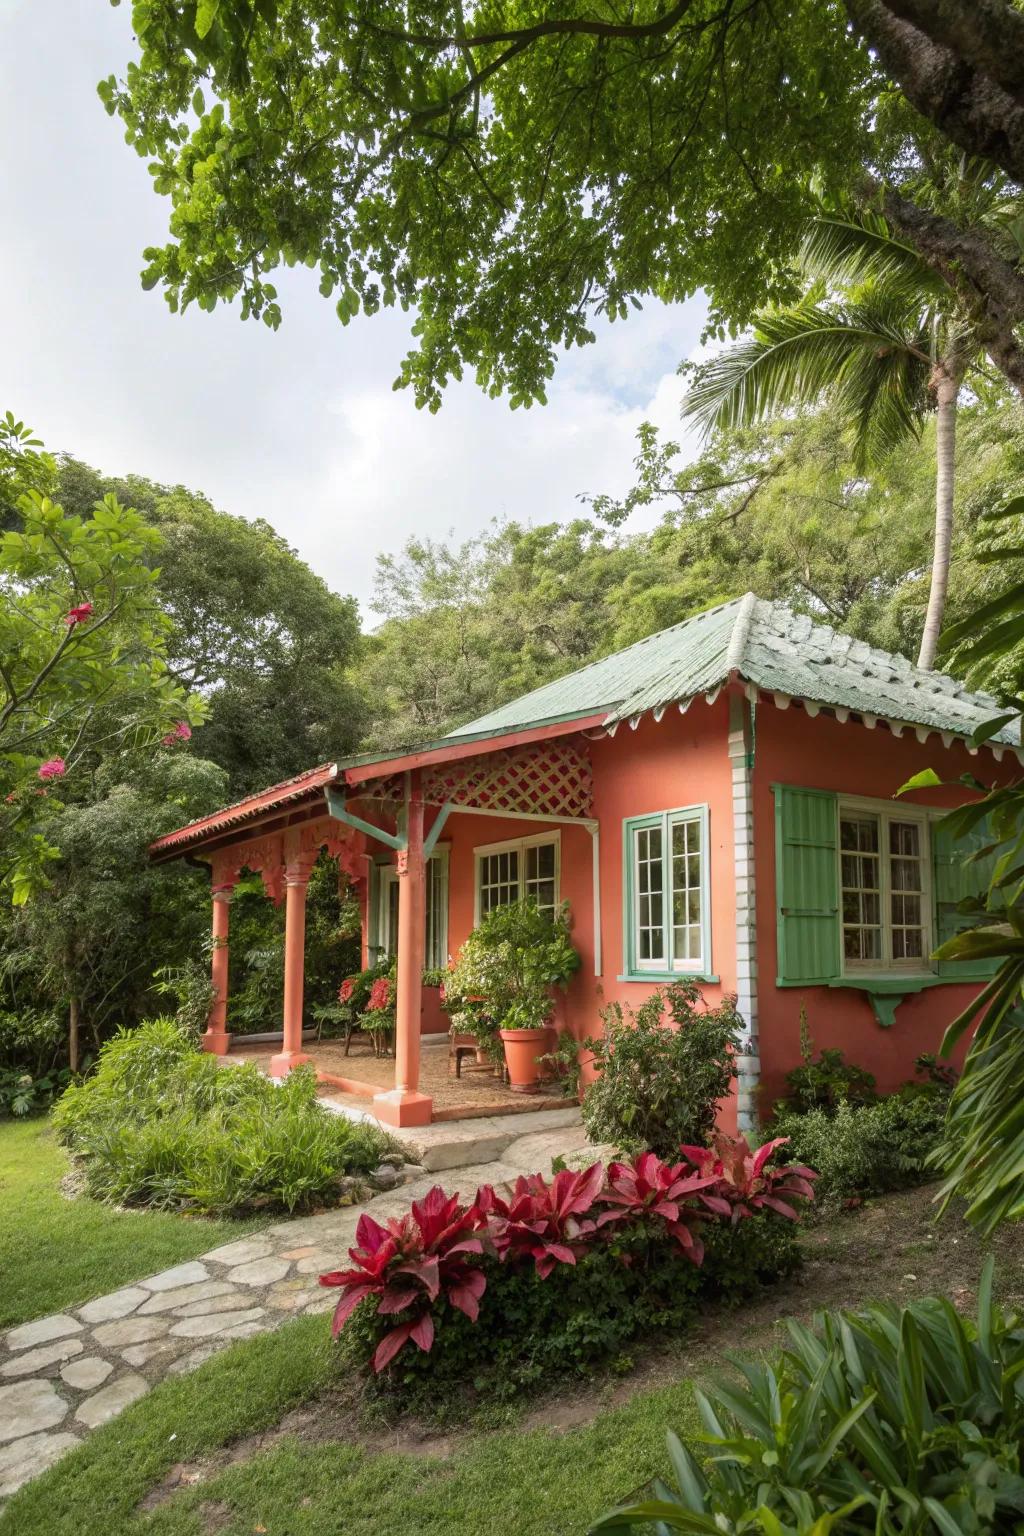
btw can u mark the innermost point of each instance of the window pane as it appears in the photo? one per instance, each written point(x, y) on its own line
point(906, 883)
point(499, 880)
point(685, 878)
point(648, 875)
point(860, 873)
point(539, 879)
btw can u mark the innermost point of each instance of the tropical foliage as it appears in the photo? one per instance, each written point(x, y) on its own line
point(83, 645)
point(515, 176)
point(644, 1216)
point(160, 1123)
point(892, 344)
point(900, 1421)
point(662, 1070)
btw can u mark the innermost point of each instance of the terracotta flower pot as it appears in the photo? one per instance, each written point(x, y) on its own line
point(522, 1048)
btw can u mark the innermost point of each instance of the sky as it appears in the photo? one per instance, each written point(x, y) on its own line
point(299, 426)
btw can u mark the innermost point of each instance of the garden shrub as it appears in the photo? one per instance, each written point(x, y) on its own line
point(160, 1123)
point(896, 1421)
point(870, 1149)
point(31, 1046)
point(661, 1078)
point(564, 1273)
point(828, 1081)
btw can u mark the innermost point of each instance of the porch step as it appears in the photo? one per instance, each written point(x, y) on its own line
point(462, 1143)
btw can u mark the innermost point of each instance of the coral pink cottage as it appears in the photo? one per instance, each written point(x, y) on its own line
point(716, 801)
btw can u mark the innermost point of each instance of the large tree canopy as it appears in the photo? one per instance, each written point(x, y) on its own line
point(512, 170)
point(253, 630)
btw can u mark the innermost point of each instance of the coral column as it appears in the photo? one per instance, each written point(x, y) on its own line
point(405, 1105)
point(296, 879)
point(216, 1038)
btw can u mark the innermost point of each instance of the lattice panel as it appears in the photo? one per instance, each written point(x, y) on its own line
point(548, 779)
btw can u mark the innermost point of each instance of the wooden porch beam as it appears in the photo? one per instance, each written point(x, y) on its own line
point(339, 810)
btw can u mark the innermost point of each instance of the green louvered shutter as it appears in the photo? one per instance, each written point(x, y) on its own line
point(807, 885)
point(955, 880)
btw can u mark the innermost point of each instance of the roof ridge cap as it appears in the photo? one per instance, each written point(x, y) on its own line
point(740, 633)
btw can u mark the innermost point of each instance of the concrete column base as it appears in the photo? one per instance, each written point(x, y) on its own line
point(401, 1107)
point(216, 1041)
point(282, 1063)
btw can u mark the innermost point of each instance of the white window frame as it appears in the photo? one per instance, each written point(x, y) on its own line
point(668, 965)
point(519, 846)
point(387, 875)
point(886, 812)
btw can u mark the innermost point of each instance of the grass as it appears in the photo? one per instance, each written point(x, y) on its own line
point(57, 1253)
point(523, 1480)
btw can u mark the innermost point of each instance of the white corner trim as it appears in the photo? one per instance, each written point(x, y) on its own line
point(740, 745)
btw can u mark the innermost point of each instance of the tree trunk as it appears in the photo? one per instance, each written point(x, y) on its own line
point(73, 1034)
point(947, 387)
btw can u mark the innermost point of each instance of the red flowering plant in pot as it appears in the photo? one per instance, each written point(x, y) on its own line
point(408, 1264)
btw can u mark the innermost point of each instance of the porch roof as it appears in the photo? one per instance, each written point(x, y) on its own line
point(308, 786)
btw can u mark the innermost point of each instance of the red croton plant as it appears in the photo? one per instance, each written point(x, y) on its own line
point(745, 1181)
point(409, 1263)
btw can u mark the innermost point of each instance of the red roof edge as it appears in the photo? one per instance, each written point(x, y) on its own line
point(472, 746)
point(195, 833)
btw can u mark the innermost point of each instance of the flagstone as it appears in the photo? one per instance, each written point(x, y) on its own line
point(41, 1332)
point(131, 1330)
point(259, 1272)
point(242, 1251)
point(170, 1301)
point(38, 1359)
point(26, 1458)
point(230, 1302)
point(108, 1401)
point(29, 1406)
point(298, 1253)
point(105, 1309)
point(140, 1354)
point(181, 1274)
point(202, 1327)
point(86, 1374)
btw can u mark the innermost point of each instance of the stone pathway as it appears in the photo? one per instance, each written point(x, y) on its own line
point(62, 1376)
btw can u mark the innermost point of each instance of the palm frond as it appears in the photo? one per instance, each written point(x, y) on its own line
point(844, 250)
point(797, 355)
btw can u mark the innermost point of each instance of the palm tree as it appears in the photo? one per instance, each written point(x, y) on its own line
point(889, 349)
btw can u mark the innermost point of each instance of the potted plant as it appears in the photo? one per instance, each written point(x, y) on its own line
point(378, 1020)
point(504, 980)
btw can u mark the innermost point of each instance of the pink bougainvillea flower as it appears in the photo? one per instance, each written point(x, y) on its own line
point(346, 989)
point(78, 614)
point(54, 768)
point(182, 732)
point(380, 994)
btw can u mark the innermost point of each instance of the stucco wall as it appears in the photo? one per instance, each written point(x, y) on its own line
point(821, 753)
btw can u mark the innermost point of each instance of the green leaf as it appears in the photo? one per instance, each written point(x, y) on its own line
point(206, 15)
point(927, 778)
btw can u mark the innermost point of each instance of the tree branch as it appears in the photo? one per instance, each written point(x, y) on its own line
point(966, 105)
point(987, 34)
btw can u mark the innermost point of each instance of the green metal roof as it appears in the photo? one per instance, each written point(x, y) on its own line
point(764, 643)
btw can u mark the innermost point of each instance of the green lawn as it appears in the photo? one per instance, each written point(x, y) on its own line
point(535, 1483)
point(56, 1253)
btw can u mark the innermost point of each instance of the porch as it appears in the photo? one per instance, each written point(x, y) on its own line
point(383, 821)
point(357, 1079)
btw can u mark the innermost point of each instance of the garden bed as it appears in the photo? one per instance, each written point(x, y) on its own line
point(267, 1435)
